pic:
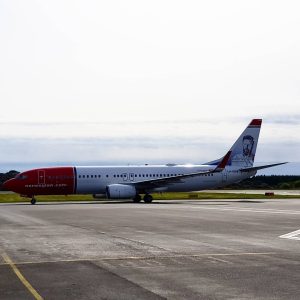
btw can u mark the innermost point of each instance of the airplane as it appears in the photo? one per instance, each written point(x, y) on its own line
point(129, 182)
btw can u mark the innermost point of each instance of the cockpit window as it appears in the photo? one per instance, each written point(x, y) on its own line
point(21, 177)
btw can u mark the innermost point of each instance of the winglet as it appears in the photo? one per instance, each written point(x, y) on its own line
point(221, 166)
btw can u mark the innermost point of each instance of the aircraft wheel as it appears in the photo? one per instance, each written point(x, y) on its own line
point(33, 201)
point(137, 199)
point(148, 198)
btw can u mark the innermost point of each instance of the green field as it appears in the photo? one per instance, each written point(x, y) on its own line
point(11, 198)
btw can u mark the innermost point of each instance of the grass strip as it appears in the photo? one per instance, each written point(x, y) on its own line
point(15, 198)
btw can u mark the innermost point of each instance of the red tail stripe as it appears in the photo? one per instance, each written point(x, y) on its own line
point(255, 122)
point(224, 161)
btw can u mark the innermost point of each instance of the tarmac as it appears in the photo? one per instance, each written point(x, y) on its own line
point(183, 249)
point(293, 192)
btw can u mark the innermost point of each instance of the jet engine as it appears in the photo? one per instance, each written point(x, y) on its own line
point(120, 191)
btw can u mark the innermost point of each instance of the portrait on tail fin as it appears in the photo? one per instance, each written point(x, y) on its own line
point(248, 143)
point(247, 156)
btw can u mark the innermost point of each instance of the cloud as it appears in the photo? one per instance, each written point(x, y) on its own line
point(134, 150)
point(124, 150)
point(284, 119)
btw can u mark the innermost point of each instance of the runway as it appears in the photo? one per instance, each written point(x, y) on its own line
point(183, 249)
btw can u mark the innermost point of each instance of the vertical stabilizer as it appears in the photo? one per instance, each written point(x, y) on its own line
point(244, 149)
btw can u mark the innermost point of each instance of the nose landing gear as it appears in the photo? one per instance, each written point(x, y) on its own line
point(33, 201)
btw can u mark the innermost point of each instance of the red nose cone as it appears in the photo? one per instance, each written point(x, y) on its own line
point(9, 185)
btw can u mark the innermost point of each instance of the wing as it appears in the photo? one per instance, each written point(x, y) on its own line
point(159, 182)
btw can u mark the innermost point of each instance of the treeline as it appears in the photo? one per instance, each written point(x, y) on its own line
point(7, 176)
point(257, 182)
point(268, 182)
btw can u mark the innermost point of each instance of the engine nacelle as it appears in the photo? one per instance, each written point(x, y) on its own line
point(120, 191)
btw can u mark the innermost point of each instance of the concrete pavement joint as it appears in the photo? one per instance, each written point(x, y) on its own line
point(209, 255)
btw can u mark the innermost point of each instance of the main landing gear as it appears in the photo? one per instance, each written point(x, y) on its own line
point(137, 198)
point(147, 198)
point(33, 201)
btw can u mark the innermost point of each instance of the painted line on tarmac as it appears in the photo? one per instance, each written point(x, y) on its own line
point(268, 211)
point(144, 257)
point(219, 260)
point(294, 235)
point(25, 282)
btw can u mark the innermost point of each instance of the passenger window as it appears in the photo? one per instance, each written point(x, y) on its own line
point(79, 176)
point(106, 175)
point(83, 176)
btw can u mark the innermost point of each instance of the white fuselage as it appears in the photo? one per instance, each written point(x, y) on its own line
point(95, 179)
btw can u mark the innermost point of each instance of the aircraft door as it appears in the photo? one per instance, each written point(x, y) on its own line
point(41, 177)
point(125, 176)
point(131, 177)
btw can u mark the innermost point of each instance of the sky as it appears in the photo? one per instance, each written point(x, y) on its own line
point(126, 82)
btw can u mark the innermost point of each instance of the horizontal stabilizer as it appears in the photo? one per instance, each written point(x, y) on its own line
point(261, 167)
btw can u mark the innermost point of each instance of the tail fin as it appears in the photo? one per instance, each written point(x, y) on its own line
point(244, 149)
